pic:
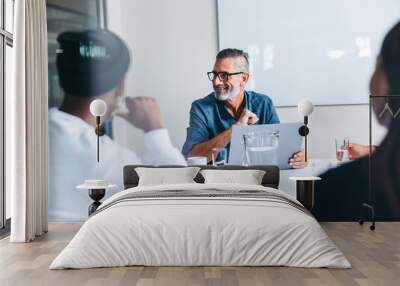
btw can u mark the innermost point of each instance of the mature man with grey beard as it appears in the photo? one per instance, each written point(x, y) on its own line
point(212, 117)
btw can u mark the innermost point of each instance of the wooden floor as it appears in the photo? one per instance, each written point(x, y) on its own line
point(375, 257)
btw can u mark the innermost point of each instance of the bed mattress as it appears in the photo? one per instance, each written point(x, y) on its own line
point(201, 225)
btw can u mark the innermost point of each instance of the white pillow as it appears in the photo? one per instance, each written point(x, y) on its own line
point(163, 176)
point(248, 177)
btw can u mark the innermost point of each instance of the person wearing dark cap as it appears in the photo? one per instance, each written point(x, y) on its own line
point(92, 64)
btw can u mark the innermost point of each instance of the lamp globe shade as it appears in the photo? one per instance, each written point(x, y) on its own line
point(305, 107)
point(98, 107)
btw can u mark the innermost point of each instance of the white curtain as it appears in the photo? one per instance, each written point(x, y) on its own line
point(27, 121)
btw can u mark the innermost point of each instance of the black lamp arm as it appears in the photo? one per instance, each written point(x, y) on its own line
point(304, 131)
point(100, 131)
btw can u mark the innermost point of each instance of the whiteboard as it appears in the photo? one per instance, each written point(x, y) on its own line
point(324, 51)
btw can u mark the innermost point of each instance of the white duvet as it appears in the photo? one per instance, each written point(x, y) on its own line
point(200, 231)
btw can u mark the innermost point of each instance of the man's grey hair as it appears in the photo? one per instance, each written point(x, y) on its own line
point(241, 58)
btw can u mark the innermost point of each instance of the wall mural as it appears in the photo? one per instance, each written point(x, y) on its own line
point(91, 70)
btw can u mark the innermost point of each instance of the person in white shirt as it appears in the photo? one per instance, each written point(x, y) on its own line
point(91, 65)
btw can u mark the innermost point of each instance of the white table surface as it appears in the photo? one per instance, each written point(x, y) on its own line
point(315, 167)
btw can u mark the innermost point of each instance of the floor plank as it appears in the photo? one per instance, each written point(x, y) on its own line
point(374, 255)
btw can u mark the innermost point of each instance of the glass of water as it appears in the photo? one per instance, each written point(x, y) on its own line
point(261, 148)
point(218, 156)
point(342, 149)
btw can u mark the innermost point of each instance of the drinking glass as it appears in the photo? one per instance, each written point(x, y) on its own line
point(342, 149)
point(218, 156)
point(197, 161)
point(261, 148)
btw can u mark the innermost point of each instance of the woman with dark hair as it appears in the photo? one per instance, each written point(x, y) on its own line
point(341, 192)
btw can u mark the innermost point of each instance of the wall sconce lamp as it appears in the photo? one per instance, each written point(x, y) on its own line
point(98, 108)
point(305, 108)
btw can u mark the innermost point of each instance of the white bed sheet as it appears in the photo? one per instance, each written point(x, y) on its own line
point(200, 231)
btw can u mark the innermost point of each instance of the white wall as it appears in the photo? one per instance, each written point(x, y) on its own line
point(174, 44)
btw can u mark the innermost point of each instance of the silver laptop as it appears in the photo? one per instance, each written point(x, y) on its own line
point(272, 151)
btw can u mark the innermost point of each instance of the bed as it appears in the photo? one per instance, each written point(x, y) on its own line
point(198, 224)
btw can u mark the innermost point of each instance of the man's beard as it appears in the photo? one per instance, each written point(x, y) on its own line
point(230, 91)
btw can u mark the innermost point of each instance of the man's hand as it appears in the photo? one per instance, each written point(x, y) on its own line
point(247, 118)
point(298, 161)
point(357, 150)
point(144, 113)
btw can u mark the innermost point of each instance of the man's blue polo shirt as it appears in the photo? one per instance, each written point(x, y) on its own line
point(209, 117)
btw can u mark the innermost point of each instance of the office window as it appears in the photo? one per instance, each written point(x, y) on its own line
point(6, 43)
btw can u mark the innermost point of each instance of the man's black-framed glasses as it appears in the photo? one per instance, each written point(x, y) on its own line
point(223, 76)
